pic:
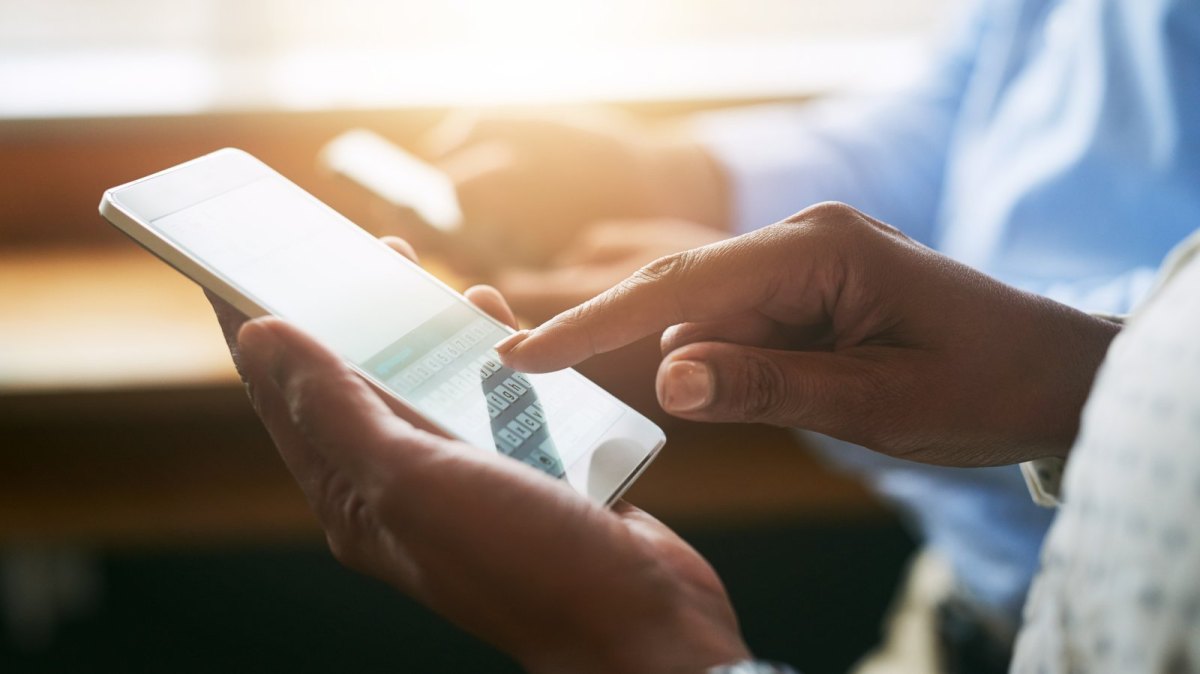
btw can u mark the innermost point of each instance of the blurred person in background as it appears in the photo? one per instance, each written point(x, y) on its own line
point(1052, 144)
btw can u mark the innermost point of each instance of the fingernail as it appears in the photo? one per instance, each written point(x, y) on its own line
point(687, 385)
point(509, 343)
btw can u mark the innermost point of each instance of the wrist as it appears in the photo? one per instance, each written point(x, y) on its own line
point(1089, 351)
point(1069, 347)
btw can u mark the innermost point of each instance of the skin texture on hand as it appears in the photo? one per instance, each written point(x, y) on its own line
point(497, 547)
point(835, 322)
point(529, 183)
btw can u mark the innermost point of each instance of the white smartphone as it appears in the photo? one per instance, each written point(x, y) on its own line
point(398, 177)
point(235, 226)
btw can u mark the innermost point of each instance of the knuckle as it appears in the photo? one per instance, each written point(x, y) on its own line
point(762, 393)
point(668, 275)
point(672, 338)
point(308, 396)
point(843, 234)
point(347, 516)
point(823, 213)
point(831, 210)
point(303, 392)
point(668, 269)
point(835, 218)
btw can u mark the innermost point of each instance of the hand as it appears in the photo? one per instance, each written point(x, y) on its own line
point(528, 183)
point(838, 323)
point(495, 546)
point(599, 257)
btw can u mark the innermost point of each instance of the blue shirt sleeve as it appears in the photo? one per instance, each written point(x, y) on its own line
point(884, 154)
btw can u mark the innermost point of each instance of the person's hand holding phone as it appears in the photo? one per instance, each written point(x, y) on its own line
point(497, 547)
point(529, 183)
point(835, 322)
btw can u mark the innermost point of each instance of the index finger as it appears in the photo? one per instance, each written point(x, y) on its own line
point(703, 284)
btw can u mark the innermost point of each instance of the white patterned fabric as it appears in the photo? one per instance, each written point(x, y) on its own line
point(1119, 587)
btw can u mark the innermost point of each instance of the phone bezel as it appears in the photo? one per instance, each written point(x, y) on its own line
point(603, 472)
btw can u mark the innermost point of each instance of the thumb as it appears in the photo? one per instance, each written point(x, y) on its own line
point(817, 390)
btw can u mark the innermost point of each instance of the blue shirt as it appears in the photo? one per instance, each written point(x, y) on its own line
point(1054, 144)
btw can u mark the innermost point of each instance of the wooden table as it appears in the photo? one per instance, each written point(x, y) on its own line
point(122, 423)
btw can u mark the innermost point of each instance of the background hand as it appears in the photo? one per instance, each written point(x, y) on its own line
point(497, 547)
point(835, 322)
point(528, 183)
point(598, 258)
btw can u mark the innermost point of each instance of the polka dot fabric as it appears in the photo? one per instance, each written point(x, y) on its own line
point(1119, 588)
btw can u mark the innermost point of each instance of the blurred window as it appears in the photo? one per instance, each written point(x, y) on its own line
point(82, 57)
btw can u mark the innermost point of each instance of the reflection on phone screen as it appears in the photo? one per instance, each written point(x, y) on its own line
point(447, 367)
point(519, 425)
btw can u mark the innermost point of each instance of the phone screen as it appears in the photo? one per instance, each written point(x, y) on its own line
point(302, 261)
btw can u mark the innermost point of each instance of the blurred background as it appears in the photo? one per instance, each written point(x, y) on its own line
point(145, 522)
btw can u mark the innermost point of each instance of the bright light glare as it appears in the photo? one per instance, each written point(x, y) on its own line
point(77, 57)
point(487, 26)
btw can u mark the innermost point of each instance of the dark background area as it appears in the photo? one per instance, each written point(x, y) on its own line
point(808, 595)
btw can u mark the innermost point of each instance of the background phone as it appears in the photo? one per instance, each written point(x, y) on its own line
point(242, 230)
point(396, 176)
